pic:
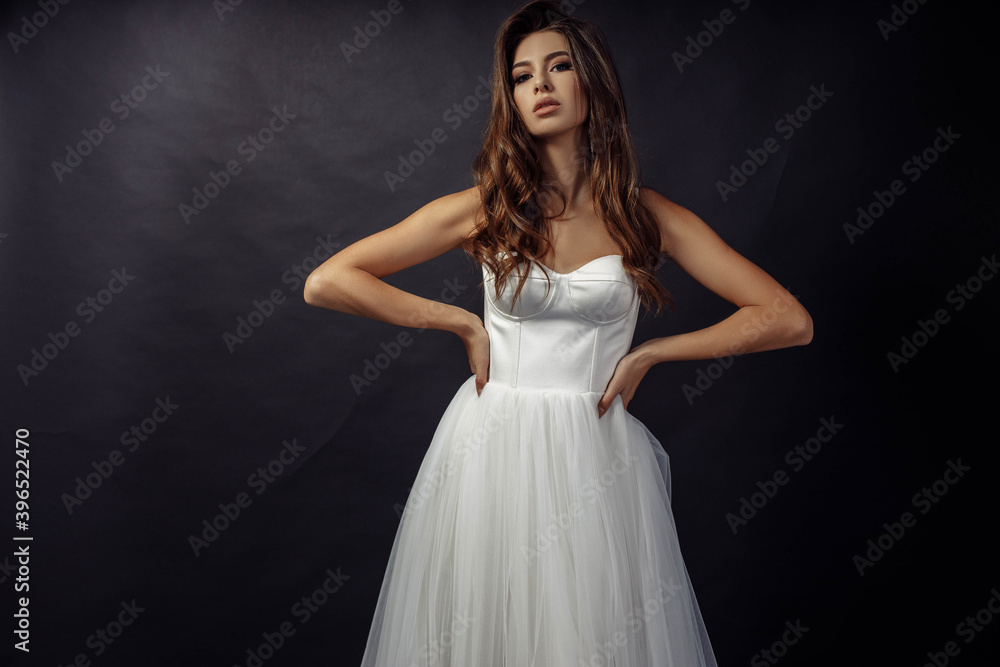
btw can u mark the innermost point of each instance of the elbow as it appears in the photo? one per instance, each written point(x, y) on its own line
point(802, 328)
point(315, 288)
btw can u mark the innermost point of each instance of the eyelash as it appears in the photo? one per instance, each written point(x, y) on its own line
point(521, 78)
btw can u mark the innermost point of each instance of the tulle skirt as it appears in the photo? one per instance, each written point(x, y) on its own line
point(537, 535)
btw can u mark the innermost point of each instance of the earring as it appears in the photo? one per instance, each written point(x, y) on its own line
point(591, 148)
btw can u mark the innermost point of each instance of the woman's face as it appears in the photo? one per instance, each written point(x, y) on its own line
point(547, 91)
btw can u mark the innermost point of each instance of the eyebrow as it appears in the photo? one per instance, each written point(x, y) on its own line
point(547, 58)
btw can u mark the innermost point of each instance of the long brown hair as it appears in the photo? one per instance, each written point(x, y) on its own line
point(509, 175)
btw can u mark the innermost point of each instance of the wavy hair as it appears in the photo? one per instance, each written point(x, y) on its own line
point(509, 176)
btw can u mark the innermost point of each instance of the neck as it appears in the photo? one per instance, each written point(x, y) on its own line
point(563, 162)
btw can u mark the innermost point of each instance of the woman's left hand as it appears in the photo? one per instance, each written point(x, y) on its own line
point(628, 373)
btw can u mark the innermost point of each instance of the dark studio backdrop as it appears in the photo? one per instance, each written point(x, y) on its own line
point(172, 171)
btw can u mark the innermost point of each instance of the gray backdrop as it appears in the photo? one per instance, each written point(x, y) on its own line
point(171, 172)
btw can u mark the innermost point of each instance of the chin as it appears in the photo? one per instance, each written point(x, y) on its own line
point(551, 133)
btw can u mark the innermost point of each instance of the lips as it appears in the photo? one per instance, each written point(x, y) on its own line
point(545, 105)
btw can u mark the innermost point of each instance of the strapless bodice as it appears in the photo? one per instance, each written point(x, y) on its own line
point(569, 339)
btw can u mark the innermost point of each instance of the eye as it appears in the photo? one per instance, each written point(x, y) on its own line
point(563, 66)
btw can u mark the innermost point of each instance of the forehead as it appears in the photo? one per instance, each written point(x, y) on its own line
point(537, 45)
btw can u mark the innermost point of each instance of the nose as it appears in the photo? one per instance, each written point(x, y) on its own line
point(541, 83)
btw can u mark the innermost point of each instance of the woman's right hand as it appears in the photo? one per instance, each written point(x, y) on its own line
point(477, 346)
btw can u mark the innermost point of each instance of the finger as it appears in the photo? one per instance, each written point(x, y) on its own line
point(480, 379)
point(483, 378)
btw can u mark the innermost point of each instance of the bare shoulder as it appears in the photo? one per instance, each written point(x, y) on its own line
point(702, 254)
point(674, 220)
point(461, 210)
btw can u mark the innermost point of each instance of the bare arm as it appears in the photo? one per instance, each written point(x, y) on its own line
point(350, 281)
point(768, 316)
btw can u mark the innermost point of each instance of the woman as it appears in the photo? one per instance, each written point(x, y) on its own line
point(539, 528)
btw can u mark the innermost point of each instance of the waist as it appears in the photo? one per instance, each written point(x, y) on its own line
point(543, 389)
point(549, 377)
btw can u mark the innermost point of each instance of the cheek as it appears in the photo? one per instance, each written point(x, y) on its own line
point(519, 100)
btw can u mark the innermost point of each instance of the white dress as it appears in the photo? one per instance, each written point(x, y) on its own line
point(536, 534)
